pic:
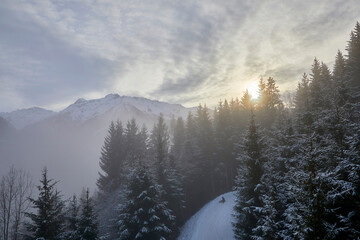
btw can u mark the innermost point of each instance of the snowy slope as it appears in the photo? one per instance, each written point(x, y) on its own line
point(83, 110)
point(212, 222)
point(24, 117)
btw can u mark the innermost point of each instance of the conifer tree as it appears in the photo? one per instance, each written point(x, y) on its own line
point(135, 141)
point(269, 102)
point(326, 86)
point(111, 159)
point(199, 168)
point(175, 172)
point(278, 173)
point(344, 183)
point(144, 141)
point(225, 172)
point(262, 89)
point(239, 119)
point(314, 210)
point(71, 220)
point(179, 139)
point(353, 59)
point(348, 177)
point(191, 146)
point(341, 86)
point(249, 188)
point(320, 86)
point(316, 174)
point(167, 176)
point(304, 115)
point(87, 225)
point(353, 72)
point(175, 194)
point(315, 85)
point(246, 103)
point(114, 163)
point(144, 215)
point(189, 168)
point(205, 160)
point(240, 113)
point(160, 147)
point(47, 221)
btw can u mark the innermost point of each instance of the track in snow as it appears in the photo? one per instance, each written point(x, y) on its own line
point(212, 222)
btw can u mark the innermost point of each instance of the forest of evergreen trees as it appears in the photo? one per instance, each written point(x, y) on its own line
point(295, 169)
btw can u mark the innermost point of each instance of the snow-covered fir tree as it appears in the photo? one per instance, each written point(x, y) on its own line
point(87, 224)
point(166, 173)
point(71, 219)
point(281, 151)
point(249, 186)
point(143, 215)
point(301, 183)
point(175, 194)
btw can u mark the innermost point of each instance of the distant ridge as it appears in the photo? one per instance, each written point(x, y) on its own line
point(83, 110)
point(24, 117)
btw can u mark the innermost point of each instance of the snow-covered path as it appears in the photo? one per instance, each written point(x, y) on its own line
point(212, 222)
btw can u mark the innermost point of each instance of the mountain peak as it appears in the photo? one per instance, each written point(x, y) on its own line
point(112, 95)
point(113, 104)
point(83, 110)
point(80, 100)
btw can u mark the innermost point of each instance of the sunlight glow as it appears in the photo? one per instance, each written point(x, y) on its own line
point(253, 90)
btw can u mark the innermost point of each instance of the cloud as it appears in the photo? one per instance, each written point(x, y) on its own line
point(54, 52)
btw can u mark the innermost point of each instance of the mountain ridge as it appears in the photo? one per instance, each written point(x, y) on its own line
point(72, 138)
point(83, 110)
point(23, 117)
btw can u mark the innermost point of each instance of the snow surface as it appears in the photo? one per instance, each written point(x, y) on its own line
point(212, 222)
point(83, 110)
point(24, 117)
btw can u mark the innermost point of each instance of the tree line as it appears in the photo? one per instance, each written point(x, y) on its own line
point(300, 177)
point(295, 170)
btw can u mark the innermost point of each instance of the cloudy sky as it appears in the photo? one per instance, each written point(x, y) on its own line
point(180, 51)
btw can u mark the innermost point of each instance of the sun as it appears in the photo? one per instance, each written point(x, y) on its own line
point(253, 90)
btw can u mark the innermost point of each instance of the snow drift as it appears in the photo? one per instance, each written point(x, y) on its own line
point(212, 222)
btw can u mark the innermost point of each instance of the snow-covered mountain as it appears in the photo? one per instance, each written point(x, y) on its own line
point(24, 117)
point(212, 222)
point(83, 110)
point(112, 105)
point(70, 140)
